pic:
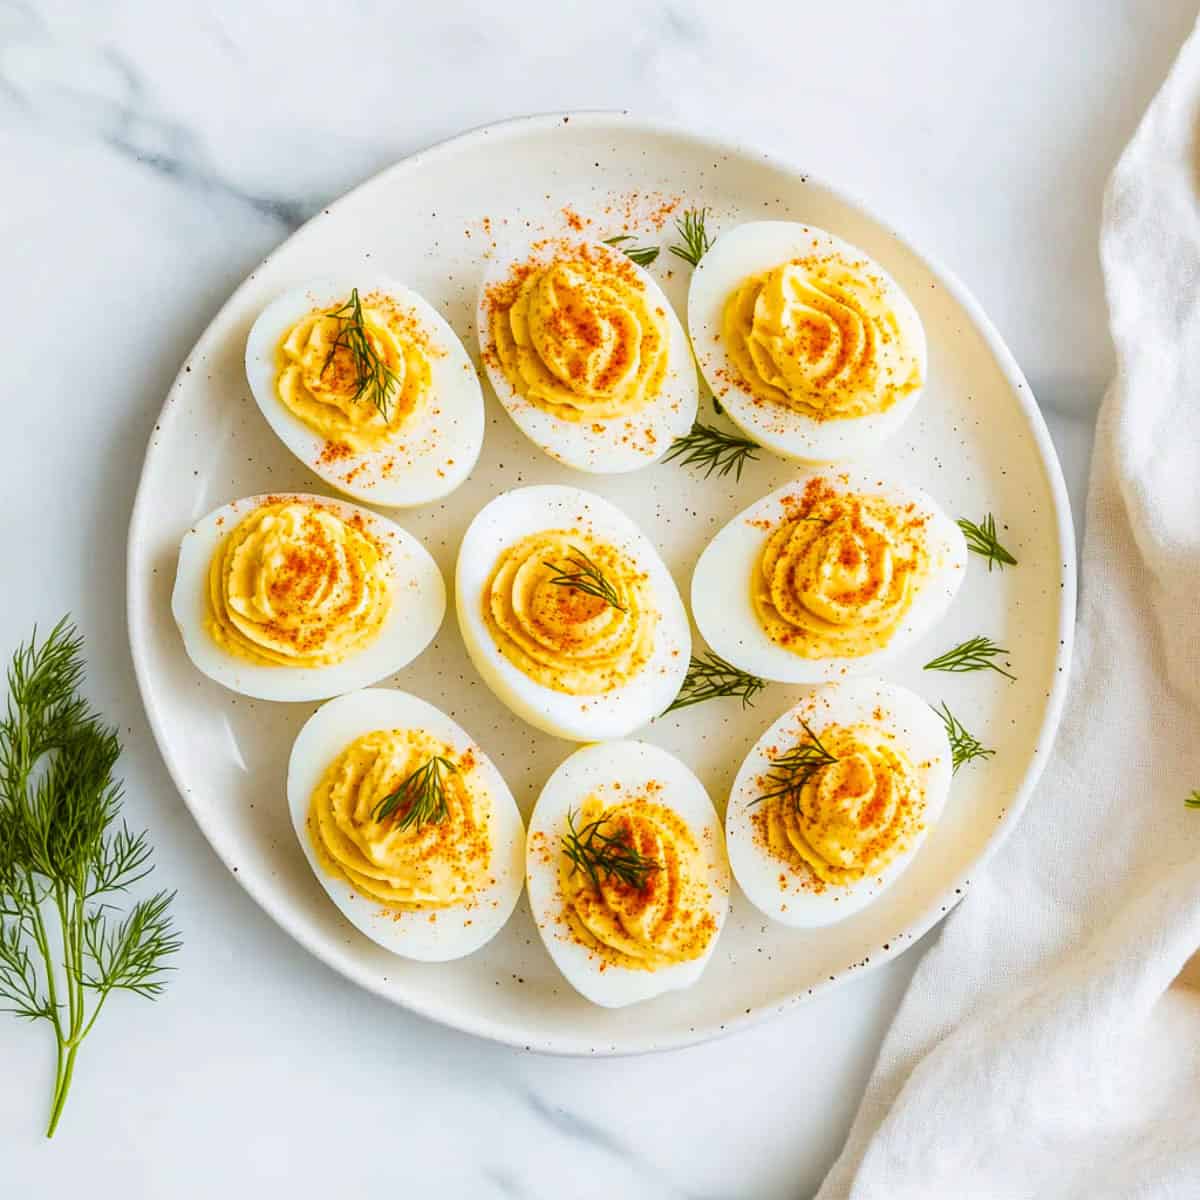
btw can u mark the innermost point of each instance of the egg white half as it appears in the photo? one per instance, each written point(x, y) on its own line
point(618, 443)
point(724, 610)
point(505, 521)
point(433, 453)
point(429, 935)
point(774, 886)
point(414, 617)
point(616, 771)
point(750, 250)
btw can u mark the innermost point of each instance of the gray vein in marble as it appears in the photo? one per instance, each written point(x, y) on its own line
point(52, 86)
point(215, 23)
point(578, 1128)
point(505, 1184)
point(16, 15)
point(680, 25)
point(174, 152)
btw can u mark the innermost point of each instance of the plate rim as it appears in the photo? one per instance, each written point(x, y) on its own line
point(957, 888)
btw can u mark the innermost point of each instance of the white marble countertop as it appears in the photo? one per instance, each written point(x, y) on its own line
point(152, 154)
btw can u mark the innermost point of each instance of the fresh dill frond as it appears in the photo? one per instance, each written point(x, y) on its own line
point(64, 946)
point(791, 771)
point(584, 575)
point(128, 955)
point(982, 540)
point(374, 379)
point(713, 449)
point(711, 677)
point(421, 795)
point(1193, 800)
point(965, 747)
point(694, 238)
point(598, 854)
point(975, 654)
point(642, 255)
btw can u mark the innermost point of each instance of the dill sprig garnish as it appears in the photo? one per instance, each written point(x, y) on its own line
point(791, 771)
point(642, 255)
point(63, 860)
point(692, 231)
point(374, 379)
point(585, 577)
point(982, 540)
point(595, 852)
point(422, 796)
point(975, 654)
point(1193, 800)
point(965, 747)
point(714, 449)
point(711, 677)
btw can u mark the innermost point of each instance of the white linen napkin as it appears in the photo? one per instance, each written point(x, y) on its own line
point(1049, 1045)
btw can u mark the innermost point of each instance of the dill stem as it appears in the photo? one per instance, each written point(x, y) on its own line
point(71, 917)
point(68, 944)
point(66, 1067)
point(92, 1019)
point(42, 941)
point(65, 1072)
point(79, 915)
point(62, 1086)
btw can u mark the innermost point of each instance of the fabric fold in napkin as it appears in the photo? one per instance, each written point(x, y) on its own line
point(1049, 1045)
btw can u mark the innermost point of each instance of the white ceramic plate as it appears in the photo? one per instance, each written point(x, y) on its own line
point(976, 442)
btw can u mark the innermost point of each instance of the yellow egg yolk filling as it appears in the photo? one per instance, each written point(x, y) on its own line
point(560, 635)
point(837, 579)
point(421, 864)
point(294, 585)
point(580, 337)
point(821, 336)
point(322, 371)
point(668, 919)
point(850, 818)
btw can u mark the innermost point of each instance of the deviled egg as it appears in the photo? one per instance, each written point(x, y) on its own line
point(569, 614)
point(586, 354)
point(835, 799)
point(365, 383)
point(808, 343)
point(627, 874)
point(827, 576)
point(407, 824)
point(295, 597)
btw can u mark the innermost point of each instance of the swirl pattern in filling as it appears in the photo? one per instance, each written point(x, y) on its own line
point(666, 920)
point(562, 637)
point(295, 585)
point(837, 577)
point(319, 377)
point(429, 864)
point(850, 818)
point(580, 337)
point(821, 336)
